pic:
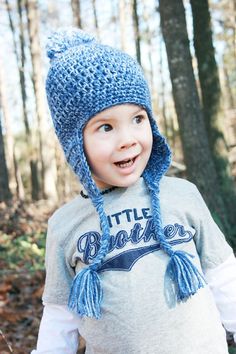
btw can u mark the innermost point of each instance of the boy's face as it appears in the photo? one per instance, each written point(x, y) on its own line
point(118, 144)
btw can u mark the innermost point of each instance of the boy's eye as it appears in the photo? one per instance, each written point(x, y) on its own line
point(105, 128)
point(138, 119)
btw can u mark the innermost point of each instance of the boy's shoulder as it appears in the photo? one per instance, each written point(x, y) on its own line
point(68, 212)
point(179, 191)
point(177, 185)
point(180, 195)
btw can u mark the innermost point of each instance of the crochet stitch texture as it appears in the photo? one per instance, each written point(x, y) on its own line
point(86, 77)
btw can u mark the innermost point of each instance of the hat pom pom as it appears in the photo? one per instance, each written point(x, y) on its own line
point(86, 294)
point(64, 39)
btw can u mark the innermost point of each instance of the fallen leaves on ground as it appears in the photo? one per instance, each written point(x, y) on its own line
point(21, 282)
point(20, 311)
point(20, 288)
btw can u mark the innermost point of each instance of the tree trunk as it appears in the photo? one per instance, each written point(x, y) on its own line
point(20, 191)
point(47, 158)
point(5, 193)
point(8, 132)
point(75, 5)
point(162, 92)
point(36, 78)
point(21, 66)
point(211, 92)
point(21, 69)
point(15, 180)
point(230, 99)
point(197, 155)
point(123, 9)
point(136, 30)
point(207, 68)
point(95, 18)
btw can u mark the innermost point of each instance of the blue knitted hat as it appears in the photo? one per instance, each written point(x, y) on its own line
point(86, 77)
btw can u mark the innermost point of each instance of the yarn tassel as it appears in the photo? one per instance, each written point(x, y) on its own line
point(86, 294)
point(184, 274)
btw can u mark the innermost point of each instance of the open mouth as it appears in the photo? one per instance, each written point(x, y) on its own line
point(125, 163)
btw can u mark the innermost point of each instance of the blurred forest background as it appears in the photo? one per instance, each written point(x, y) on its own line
point(188, 52)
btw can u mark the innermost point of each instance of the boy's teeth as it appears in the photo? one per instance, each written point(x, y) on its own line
point(124, 164)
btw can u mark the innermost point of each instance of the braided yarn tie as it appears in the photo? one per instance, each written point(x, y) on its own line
point(180, 269)
point(184, 274)
point(86, 294)
point(86, 291)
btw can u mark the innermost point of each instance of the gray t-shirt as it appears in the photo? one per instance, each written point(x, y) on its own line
point(139, 313)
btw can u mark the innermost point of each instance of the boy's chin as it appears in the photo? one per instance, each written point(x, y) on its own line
point(102, 185)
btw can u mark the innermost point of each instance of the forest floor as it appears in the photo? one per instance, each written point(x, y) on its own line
point(22, 244)
point(22, 249)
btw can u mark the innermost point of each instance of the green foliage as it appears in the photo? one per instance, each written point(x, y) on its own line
point(24, 252)
point(232, 350)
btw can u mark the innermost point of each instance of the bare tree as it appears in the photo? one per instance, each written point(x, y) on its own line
point(207, 68)
point(5, 193)
point(162, 93)
point(197, 155)
point(76, 12)
point(15, 180)
point(95, 18)
point(231, 100)
point(211, 94)
point(137, 35)
point(8, 131)
point(123, 9)
point(20, 59)
point(47, 158)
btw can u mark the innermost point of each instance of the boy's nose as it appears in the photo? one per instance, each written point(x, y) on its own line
point(126, 141)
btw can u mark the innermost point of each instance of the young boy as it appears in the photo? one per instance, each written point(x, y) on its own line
point(130, 254)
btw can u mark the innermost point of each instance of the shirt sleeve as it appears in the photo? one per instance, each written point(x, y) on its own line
point(218, 263)
point(59, 273)
point(58, 331)
point(212, 247)
point(222, 282)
